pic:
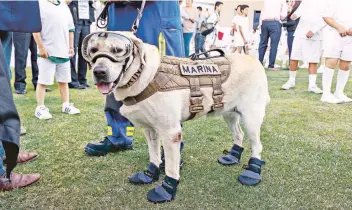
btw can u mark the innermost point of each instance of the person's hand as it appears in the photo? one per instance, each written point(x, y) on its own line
point(218, 20)
point(43, 53)
point(349, 32)
point(342, 31)
point(310, 34)
point(71, 52)
point(293, 17)
point(245, 42)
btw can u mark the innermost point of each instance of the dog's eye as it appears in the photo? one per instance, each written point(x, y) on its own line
point(93, 50)
point(116, 50)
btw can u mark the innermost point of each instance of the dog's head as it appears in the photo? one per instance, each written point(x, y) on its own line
point(110, 54)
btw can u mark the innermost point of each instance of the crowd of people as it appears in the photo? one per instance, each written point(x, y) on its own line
point(313, 29)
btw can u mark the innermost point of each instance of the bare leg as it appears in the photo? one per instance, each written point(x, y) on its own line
point(40, 94)
point(64, 91)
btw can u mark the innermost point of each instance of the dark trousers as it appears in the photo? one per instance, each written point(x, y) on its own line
point(290, 39)
point(199, 41)
point(23, 42)
point(9, 119)
point(272, 30)
point(81, 32)
point(6, 41)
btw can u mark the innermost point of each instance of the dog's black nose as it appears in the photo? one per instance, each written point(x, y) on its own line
point(100, 71)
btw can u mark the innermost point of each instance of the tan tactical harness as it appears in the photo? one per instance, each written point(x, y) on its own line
point(169, 77)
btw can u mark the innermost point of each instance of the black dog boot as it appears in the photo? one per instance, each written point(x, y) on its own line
point(232, 157)
point(164, 192)
point(251, 175)
point(146, 177)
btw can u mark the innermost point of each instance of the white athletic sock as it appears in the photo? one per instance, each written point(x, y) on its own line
point(312, 80)
point(342, 78)
point(293, 76)
point(327, 80)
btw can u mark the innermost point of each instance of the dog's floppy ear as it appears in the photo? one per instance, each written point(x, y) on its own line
point(140, 48)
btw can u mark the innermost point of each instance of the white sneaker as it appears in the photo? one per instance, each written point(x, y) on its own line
point(315, 89)
point(330, 98)
point(288, 85)
point(70, 109)
point(321, 70)
point(42, 113)
point(343, 98)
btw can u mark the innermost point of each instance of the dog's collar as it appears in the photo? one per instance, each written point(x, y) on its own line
point(134, 78)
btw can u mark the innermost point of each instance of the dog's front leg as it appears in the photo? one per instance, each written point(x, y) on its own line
point(152, 173)
point(171, 144)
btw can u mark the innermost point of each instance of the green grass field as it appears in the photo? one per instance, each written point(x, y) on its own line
point(307, 149)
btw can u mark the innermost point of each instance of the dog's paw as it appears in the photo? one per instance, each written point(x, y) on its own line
point(164, 192)
point(251, 175)
point(232, 157)
point(146, 177)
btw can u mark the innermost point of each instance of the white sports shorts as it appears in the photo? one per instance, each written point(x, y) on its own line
point(338, 47)
point(48, 70)
point(306, 50)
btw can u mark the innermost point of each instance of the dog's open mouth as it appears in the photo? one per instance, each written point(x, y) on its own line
point(106, 88)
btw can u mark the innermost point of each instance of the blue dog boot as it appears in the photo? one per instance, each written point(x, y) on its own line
point(251, 175)
point(164, 192)
point(162, 165)
point(146, 177)
point(232, 157)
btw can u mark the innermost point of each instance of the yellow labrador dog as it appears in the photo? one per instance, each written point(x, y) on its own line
point(131, 70)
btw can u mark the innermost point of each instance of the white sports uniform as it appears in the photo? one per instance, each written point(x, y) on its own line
point(57, 22)
point(306, 49)
point(335, 45)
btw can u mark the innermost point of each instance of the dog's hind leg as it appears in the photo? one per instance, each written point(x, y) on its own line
point(153, 172)
point(233, 156)
point(171, 144)
point(253, 119)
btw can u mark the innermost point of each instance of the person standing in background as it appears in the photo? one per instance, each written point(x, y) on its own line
point(199, 39)
point(234, 26)
point(242, 34)
point(188, 24)
point(83, 16)
point(307, 45)
point(214, 19)
point(273, 12)
point(291, 25)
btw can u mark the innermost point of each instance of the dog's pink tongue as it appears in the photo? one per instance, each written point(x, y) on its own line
point(105, 88)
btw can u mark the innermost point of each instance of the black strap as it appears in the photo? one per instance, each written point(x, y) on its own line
point(195, 56)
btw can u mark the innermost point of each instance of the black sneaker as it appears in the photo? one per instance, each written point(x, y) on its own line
point(86, 86)
point(104, 147)
point(48, 90)
point(21, 92)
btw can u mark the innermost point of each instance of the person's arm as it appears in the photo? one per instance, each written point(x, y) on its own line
point(42, 51)
point(340, 28)
point(71, 50)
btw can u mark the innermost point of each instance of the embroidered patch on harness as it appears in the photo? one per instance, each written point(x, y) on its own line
point(199, 70)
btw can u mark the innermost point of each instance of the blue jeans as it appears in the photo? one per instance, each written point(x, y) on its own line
point(6, 41)
point(2, 158)
point(199, 41)
point(290, 39)
point(272, 30)
point(79, 77)
point(187, 40)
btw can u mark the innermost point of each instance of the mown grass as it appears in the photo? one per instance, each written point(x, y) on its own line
point(307, 149)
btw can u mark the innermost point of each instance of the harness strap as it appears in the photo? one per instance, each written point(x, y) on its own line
point(159, 81)
point(218, 94)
